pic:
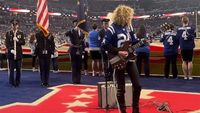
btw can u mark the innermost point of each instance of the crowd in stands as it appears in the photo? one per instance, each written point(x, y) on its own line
point(59, 24)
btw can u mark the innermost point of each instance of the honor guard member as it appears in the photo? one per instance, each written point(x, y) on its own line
point(107, 68)
point(44, 49)
point(14, 42)
point(75, 37)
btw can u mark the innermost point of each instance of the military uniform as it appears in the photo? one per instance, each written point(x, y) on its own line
point(44, 48)
point(75, 54)
point(14, 62)
point(106, 65)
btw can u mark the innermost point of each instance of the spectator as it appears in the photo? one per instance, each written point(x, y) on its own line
point(94, 45)
point(171, 43)
point(186, 35)
point(142, 52)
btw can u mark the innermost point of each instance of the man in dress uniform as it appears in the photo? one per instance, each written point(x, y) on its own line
point(14, 42)
point(76, 38)
point(106, 65)
point(44, 49)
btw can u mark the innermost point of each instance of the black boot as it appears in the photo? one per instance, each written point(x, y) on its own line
point(136, 110)
point(123, 110)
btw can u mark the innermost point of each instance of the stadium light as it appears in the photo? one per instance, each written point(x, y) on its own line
point(175, 14)
point(141, 17)
point(54, 14)
point(19, 10)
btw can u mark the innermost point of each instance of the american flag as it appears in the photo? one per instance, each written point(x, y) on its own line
point(42, 16)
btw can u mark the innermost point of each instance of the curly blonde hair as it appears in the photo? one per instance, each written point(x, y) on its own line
point(122, 15)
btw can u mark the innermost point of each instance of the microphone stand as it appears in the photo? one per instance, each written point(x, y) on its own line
point(105, 67)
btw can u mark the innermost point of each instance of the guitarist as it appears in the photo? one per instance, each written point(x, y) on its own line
point(116, 34)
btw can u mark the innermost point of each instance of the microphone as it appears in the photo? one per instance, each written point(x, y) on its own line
point(163, 107)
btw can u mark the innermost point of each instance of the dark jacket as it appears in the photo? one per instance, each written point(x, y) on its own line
point(76, 40)
point(10, 44)
point(102, 34)
point(45, 46)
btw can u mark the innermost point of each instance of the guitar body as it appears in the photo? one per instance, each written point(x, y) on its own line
point(119, 62)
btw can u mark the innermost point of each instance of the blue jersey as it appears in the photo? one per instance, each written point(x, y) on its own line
point(94, 40)
point(186, 37)
point(170, 42)
point(116, 35)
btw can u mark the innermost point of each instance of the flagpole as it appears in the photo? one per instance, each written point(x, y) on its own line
point(82, 9)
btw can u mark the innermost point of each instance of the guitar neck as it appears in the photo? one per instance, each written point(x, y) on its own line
point(139, 44)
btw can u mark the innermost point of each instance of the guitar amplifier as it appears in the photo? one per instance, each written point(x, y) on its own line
point(112, 100)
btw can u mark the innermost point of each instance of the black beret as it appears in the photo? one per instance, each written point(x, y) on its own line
point(74, 21)
point(105, 20)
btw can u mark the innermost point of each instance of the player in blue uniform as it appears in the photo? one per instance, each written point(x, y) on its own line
point(171, 43)
point(186, 35)
point(116, 35)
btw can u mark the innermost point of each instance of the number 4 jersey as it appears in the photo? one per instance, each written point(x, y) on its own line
point(186, 37)
point(170, 42)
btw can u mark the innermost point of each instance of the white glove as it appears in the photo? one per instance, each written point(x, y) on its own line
point(15, 39)
point(52, 56)
point(13, 52)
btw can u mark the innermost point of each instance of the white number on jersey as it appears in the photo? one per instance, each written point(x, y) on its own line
point(170, 40)
point(184, 35)
point(121, 39)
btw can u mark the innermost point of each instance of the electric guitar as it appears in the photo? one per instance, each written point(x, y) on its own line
point(119, 62)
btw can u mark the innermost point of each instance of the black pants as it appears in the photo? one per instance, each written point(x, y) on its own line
point(14, 80)
point(1, 60)
point(85, 60)
point(34, 57)
point(171, 60)
point(143, 58)
point(76, 62)
point(1, 63)
point(55, 63)
point(134, 77)
point(44, 63)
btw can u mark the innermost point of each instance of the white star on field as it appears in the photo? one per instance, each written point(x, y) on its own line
point(77, 103)
point(70, 111)
point(88, 90)
point(82, 96)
